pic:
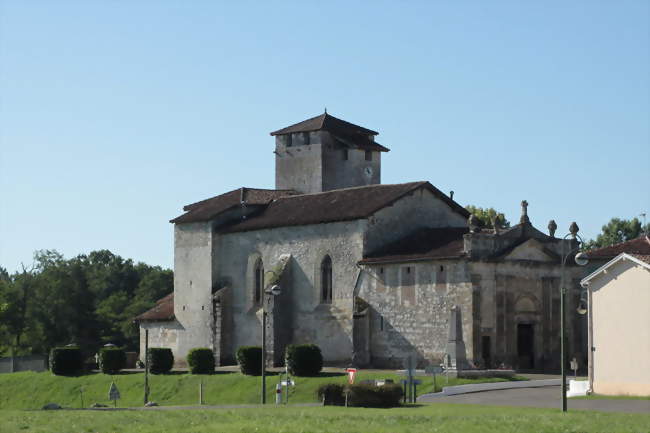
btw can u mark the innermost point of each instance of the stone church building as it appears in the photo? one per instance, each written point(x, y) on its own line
point(367, 271)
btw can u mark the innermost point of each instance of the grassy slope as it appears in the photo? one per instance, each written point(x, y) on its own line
point(29, 390)
point(429, 418)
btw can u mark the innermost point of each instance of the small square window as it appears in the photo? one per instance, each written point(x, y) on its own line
point(368, 155)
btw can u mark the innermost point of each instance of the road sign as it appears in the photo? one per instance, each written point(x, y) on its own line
point(417, 382)
point(352, 372)
point(433, 369)
point(290, 382)
point(113, 392)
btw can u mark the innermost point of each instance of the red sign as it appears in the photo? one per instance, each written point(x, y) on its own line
point(351, 373)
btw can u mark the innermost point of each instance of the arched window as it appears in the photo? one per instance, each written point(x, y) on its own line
point(258, 281)
point(326, 279)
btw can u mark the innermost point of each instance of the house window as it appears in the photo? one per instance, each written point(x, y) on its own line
point(345, 155)
point(259, 281)
point(326, 280)
point(368, 155)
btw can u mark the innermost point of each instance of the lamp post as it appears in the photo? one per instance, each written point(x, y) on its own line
point(269, 293)
point(581, 260)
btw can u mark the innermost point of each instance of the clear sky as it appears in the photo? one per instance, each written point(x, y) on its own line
point(114, 114)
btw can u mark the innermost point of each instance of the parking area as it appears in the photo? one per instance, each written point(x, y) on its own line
point(545, 397)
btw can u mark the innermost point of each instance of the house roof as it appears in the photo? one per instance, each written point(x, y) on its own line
point(205, 210)
point(162, 311)
point(639, 259)
point(640, 246)
point(325, 122)
point(331, 206)
point(423, 244)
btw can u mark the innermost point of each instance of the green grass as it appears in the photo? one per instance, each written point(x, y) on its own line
point(29, 390)
point(439, 418)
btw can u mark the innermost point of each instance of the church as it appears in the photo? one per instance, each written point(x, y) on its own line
point(369, 272)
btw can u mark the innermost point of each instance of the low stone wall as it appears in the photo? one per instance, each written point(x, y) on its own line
point(23, 363)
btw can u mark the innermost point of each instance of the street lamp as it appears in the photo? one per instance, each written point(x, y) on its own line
point(581, 260)
point(270, 292)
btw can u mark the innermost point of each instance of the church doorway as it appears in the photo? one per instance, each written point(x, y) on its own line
point(525, 346)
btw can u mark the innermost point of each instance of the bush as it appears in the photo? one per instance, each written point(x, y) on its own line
point(66, 361)
point(201, 361)
point(161, 360)
point(304, 359)
point(249, 359)
point(111, 360)
point(331, 394)
point(363, 395)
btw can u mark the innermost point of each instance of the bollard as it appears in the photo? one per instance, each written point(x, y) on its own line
point(201, 392)
point(278, 393)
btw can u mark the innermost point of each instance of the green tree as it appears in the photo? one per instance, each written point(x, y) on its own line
point(486, 215)
point(617, 230)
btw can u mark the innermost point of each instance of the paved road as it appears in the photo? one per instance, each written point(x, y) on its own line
point(546, 397)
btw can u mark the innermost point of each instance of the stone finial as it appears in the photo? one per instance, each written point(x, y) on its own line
point(495, 224)
point(573, 229)
point(473, 224)
point(552, 226)
point(524, 213)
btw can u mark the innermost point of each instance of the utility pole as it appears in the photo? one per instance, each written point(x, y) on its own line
point(146, 366)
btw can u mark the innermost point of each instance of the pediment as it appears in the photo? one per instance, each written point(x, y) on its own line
point(531, 250)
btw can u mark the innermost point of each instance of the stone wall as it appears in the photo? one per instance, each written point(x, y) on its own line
point(162, 334)
point(410, 306)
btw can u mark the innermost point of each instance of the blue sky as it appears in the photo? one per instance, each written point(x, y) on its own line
point(114, 114)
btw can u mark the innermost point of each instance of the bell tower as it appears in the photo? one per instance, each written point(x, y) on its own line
point(325, 153)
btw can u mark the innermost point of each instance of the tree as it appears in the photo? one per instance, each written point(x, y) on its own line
point(486, 215)
point(617, 230)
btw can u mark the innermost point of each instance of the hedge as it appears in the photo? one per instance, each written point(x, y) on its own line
point(361, 395)
point(161, 360)
point(201, 360)
point(249, 359)
point(66, 361)
point(304, 359)
point(111, 360)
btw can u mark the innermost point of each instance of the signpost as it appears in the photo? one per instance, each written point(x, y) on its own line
point(410, 362)
point(574, 367)
point(352, 372)
point(114, 393)
point(433, 370)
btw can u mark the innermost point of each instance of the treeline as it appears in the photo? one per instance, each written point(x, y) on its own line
point(89, 300)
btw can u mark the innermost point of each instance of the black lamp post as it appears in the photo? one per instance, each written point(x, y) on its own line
point(270, 292)
point(581, 260)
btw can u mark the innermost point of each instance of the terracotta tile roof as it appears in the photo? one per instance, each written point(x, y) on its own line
point(640, 245)
point(325, 122)
point(642, 257)
point(205, 210)
point(162, 311)
point(424, 244)
point(337, 205)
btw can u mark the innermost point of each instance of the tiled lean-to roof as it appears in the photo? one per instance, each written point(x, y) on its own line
point(162, 311)
point(423, 244)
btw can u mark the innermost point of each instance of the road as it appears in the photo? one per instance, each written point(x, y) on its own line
point(546, 397)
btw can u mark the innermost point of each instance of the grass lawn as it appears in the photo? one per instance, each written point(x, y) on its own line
point(428, 418)
point(29, 390)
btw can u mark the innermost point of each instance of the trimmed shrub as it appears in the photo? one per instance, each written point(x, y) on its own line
point(66, 361)
point(201, 360)
point(111, 360)
point(363, 395)
point(304, 359)
point(249, 359)
point(331, 394)
point(161, 360)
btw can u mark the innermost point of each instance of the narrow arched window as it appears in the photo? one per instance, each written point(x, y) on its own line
point(259, 281)
point(326, 279)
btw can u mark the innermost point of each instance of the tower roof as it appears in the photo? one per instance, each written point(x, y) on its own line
point(325, 122)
